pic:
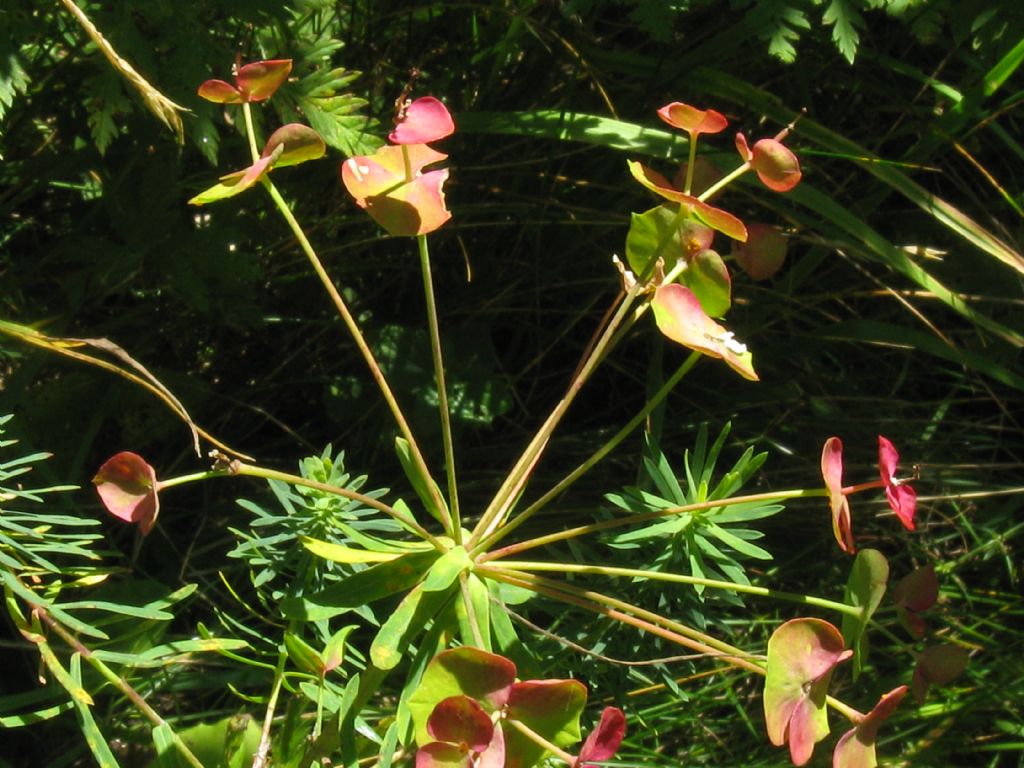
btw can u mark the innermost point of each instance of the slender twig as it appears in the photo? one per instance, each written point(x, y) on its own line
point(648, 621)
point(563, 484)
point(357, 336)
point(516, 479)
point(442, 391)
point(678, 578)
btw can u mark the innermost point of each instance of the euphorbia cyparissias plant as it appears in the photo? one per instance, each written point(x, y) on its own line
point(256, 81)
point(391, 184)
point(128, 488)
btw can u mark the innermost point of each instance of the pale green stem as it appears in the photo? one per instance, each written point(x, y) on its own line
point(691, 164)
point(262, 756)
point(471, 617)
point(250, 131)
point(516, 479)
point(118, 682)
point(642, 517)
point(248, 470)
point(723, 182)
point(601, 570)
point(535, 737)
point(625, 612)
point(184, 479)
point(599, 454)
point(357, 336)
point(455, 523)
point(647, 621)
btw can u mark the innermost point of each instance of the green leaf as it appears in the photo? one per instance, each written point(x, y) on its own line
point(339, 553)
point(94, 737)
point(415, 610)
point(845, 18)
point(446, 570)
point(576, 126)
point(303, 654)
point(551, 708)
point(421, 483)
point(361, 588)
point(708, 277)
point(864, 590)
point(480, 602)
point(653, 233)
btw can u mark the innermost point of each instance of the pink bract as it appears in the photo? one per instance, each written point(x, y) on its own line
point(402, 206)
point(802, 654)
point(692, 120)
point(128, 487)
point(423, 121)
point(679, 316)
point(604, 740)
point(256, 81)
point(764, 252)
point(856, 747)
point(775, 164)
point(902, 498)
point(832, 473)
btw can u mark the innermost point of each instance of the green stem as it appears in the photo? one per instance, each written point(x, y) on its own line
point(597, 456)
point(642, 517)
point(455, 523)
point(516, 479)
point(691, 165)
point(195, 476)
point(357, 336)
point(723, 182)
point(601, 570)
point(250, 131)
point(626, 613)
point(248, 470)
point(262, 755)
point(115, 680)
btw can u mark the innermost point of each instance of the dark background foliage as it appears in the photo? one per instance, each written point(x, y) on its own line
point(96, 241)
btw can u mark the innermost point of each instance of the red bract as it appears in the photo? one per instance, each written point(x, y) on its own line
point(913, 594)
point(128, 488)
point(776, 166)
point(603, 741)
point(856, 747)
point(692, 120)
point(902, 498)
point(764, 252)
point(253, 82)
point(423, 121)
point(832, 473)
